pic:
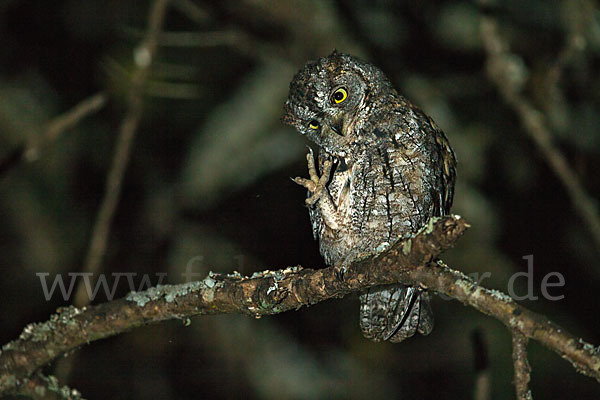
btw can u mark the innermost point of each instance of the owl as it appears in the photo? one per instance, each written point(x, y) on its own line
point(383, 169)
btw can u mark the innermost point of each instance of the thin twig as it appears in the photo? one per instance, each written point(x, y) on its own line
point(522, 368)
point(501, 71)
point(144, 55)
point(55, 128)
point(272, 292)
point(189, 9)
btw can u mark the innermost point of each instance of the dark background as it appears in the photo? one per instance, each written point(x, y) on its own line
point(208, 186)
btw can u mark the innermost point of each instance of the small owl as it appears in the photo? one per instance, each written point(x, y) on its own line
point(384, 168)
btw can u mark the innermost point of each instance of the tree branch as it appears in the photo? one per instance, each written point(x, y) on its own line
point(272, 292)
point(522, 368)
point(264, 293)
point(582, 355)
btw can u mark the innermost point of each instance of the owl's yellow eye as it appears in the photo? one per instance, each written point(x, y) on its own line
point(339, 95)
point(314, 124)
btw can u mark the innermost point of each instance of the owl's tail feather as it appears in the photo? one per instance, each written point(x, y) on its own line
point(395, 312)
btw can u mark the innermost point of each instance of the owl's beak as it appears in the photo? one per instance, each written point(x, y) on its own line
point(337, 127)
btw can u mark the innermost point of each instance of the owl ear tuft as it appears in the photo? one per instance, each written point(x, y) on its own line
point(334, 53)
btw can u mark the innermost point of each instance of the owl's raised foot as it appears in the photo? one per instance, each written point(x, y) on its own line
point(316, 184)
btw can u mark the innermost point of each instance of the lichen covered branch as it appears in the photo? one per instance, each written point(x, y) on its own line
point(267, 292)
point(584, 356)
point(271, 292)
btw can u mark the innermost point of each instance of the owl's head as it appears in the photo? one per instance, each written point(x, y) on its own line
point(329, 100)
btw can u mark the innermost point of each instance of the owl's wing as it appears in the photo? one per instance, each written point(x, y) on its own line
point(417, 163)
point(447, 166)
point(426, 138)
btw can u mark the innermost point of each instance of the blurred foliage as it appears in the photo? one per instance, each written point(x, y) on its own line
point(207, 187)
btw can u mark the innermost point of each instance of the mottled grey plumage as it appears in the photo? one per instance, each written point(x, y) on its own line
point(386, 168)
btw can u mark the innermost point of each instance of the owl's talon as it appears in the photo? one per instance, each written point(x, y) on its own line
point(307, 183)
point(339, 273)
point(314, 187)
point(317, 192)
